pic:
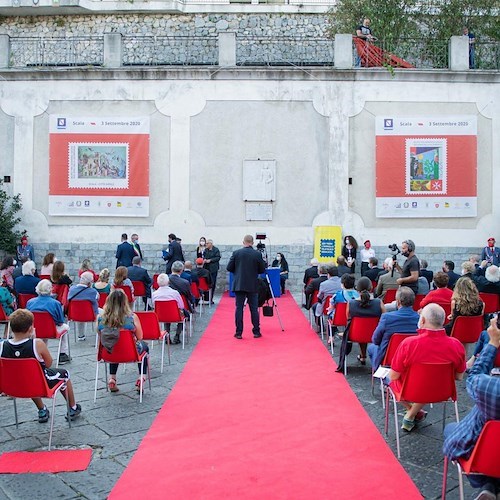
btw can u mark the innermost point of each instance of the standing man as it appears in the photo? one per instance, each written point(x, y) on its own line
point(211, 263)
point(135, 243)
point(411, 268)
point(173, 252)
point(124, 252)
point(246, 264)
point(491, 253)
point(472, 46)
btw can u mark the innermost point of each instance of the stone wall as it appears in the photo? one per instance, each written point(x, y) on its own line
point(298, 257)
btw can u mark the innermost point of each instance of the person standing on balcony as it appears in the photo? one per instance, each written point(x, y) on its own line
point(364, 32)
point(472, 49)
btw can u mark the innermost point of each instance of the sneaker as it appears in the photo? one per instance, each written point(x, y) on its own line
point(74, 413)
point(64, 358)
point(420, 416)
point(43, 415)
point(82, 338)
point(238, 336)
point(408, 425)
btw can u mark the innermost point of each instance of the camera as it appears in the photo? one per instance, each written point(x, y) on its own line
point(394, 250)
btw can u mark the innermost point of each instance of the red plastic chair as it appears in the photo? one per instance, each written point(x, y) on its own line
point(45, 328)
point(314, 300)
point(128, 292)
point(483, 459)
point(361, 331)
point(195, 292)
point(81, 311)
point(124, 351)
point(22, 299)
point(497, 359)
point(103, 297)
point(491, 302)
point(24, 378)
point(467, 329)
point(151, 331)
point(339, 319)
point(418, 298)
point(155, 281)
point(424, 383)
point(4, 319)
point(390, 295)
point(205, 287)
point(168, 311)
point(61, 294)
point(447, 309)
point(44, 276)
point(139, 292)
point(326, 304)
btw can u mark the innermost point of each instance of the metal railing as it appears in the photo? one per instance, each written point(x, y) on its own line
point(56, 51)
point(284, 51)
point(170, 50)
point(487, 55)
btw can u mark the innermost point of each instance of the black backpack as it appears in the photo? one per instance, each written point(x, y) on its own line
point(263, 291)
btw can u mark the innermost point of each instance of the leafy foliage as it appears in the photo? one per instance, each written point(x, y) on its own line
point(9, 208)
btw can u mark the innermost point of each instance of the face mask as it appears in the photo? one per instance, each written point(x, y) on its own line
point(491, 243)
point(419, 325)
point(202, 243)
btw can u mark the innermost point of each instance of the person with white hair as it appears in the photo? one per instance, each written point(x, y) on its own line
point(28, 281)
point(387, 281)
point(311, 272)
point(46, 303)
point(84, 291)
point(490, 282)
point(163, 293)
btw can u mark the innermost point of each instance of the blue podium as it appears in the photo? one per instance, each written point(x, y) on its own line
point(274, 278)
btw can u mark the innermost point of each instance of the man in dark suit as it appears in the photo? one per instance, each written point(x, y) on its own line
point(373, 269)
point(180, 284)
point(311, 272)
point(135, 243)
point(138, 273)
point(211, 262)
point(124, 252)
point(246, 264)
point(448, 268)
point(188, 273)
point(313, 285)
point(342, 267)
point(428, 275)
point(173, 253)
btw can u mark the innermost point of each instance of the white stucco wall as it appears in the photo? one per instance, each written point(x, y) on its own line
point(317, 124)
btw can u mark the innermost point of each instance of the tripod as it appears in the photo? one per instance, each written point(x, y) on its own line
point(274, 302)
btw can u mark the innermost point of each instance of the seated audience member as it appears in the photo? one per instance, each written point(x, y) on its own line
point(180, 284)
point(403, 320)
point(484, 389)
point(313, 285)
point(84, 291)
point(200, 272)
point(465, 301)
point(344, 295)
point(387, 281)
point(117, 316)
point(23, 345)
point(6, 271)
point(468, 270)
point(58, 276)
point(164, 292)
point(449, 269)
point(102, 284)
point(442, 294)
point(422, 286)
point(137, 273)
point(28, 281)
point(365, 306)
point(431, 345)
point(342, 266)
point(7, 300)
point(87, 267)
point(482, 341)
point(311, 272)
point(373, 270)
point(490, 282)
point(122, 280)
point(47, 264)
point(188, 274)
point(45, 303)
point(428, 275)
point(327, 288)
point(281, 262)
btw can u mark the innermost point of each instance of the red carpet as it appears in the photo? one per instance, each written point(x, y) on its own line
point(263, 418)
point(23, 462)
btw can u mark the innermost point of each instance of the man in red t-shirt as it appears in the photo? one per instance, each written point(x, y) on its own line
point(431, 345)
point(442, 294)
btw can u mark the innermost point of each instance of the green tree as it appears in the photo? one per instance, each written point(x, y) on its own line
point(9, 209)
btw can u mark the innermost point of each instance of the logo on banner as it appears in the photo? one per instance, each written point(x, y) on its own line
point(61, 123)
point(87, 203)
point(414, 204)
point(118, 203)
point(388, 124)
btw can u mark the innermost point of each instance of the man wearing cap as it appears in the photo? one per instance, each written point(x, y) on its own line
point(84, 291)
point(491, 253)
point(24, 252)
point(200, 272)
point(366, 253)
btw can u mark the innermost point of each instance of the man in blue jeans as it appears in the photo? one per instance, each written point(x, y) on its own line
point(246, 264)
point(484, 389)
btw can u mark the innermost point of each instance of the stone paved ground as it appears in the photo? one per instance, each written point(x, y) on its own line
point(115, 425)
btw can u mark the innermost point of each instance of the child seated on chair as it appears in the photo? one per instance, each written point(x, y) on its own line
point(25, 345)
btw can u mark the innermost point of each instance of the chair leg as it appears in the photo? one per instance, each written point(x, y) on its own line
point(183, 333)
point(456, 411)
point(15, 412)
point(460, 482)
point(444, 416)
point(445, 477)
point(52, 420)
point(96, 378)
point(396, 425)
point(162, 353)
point(386, 426)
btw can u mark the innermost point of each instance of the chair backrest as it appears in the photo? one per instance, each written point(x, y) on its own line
point(203, 284)
point(22, 299)
point(326, 303)
point(81, 311)
point(497, 359)
point(484, 456)
point(167, 311)
point(340, 316)
point(150, 325)
point(186, 304)
point(314, 297)
point(394, 341)
point(390, 295)
point(22, 378)
point(447, 308)
point(467, 329)
point(44, 276)
point(124, 351)
point(3, 316)
point(491, 302)
point(155, 281)
point(45, 327)
point(374, 284)
point(127, 290)
point(418, 298)
point(195, 291)
point(61, 293)
point(103, 296)
point(429, 383)
point(139, 288)
point(361, 329)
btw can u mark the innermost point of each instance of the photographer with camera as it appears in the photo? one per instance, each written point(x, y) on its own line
point(411, 267)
